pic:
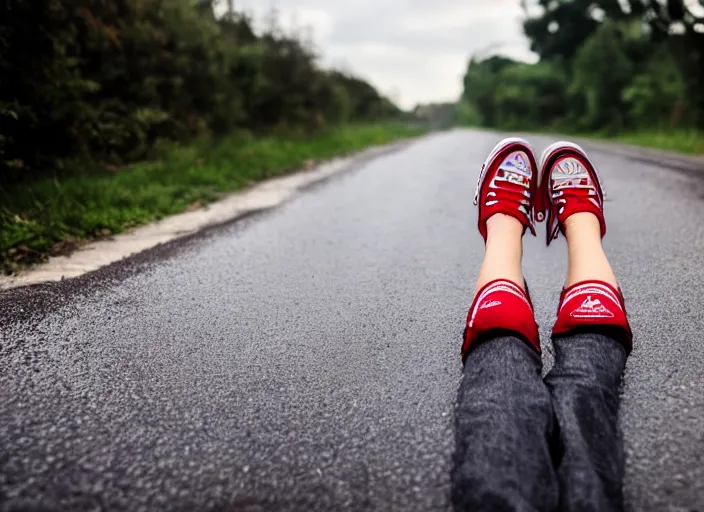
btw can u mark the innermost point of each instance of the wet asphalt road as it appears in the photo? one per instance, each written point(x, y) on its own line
point(306, 358)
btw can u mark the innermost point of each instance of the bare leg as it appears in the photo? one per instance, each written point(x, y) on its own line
point(504, 251)
point(587, 260)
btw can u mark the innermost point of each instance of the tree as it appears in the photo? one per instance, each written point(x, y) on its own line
point(657, 96)
point(561, 28)
point(102, 80)
point(601, 71)
point(480, 84)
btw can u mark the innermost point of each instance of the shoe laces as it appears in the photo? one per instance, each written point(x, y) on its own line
point(513, 187)
point(574, 191)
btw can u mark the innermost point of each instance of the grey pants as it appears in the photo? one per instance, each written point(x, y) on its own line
point(531, 444)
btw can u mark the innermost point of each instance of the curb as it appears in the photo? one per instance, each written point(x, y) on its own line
point(262, 196)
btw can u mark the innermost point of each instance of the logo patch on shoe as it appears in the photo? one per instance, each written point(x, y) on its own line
point(518, 163)
point(570, 173)
point(490, 304)
point(591, 309)
point(569, 168)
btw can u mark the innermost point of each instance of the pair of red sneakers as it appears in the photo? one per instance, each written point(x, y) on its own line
point(567, 183)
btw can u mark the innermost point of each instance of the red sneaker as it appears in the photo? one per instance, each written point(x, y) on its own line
point(593, 304)
point(569, 184)
point(507, 184)
point(500, 306)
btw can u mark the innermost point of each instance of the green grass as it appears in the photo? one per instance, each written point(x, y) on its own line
point(677, 140)
point(681, 141)
point(55, 216)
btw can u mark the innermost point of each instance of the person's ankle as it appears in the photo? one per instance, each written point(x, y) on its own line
point(582, 224)
point(516, 279)
point(603, 277)
point(501, 225)
point(503, 252)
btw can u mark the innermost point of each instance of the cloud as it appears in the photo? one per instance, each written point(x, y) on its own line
point(413, 50)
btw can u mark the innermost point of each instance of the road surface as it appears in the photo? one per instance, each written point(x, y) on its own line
point(307, 358)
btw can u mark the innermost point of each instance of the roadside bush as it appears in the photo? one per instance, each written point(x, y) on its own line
point(102, 80)
point(604, 67)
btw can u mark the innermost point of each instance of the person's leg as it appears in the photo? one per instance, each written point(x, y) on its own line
point(503, 252)
point(591, 340)
point(584, 384)
point(504, 414)
point(587, 259)
point(504, 421)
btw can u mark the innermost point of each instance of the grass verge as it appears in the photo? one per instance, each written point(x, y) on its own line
point(53, 217)
point(691, 142)
point(678, 141)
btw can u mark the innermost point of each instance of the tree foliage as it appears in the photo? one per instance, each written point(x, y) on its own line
point(604, 65)
point(104, 79)
point(514, 95)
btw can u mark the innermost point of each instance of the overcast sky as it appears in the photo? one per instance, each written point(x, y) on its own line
point(411, 50)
